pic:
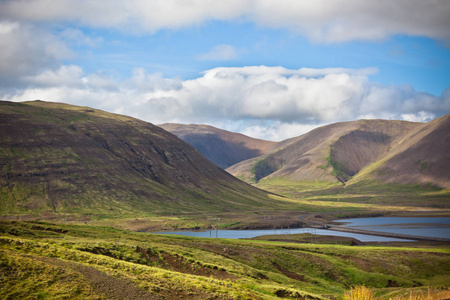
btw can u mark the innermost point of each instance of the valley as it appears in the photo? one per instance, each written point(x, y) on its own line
point(43, 260)
point(82, 190)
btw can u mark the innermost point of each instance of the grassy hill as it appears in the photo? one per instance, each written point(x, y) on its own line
point(47, 261)
point(360, 151)
point(62, 159)
point(79, 166)
point(421, 156)
point(222, 147)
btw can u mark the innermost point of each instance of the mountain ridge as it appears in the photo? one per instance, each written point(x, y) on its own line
point(61, 158)
point(421, 157)
point(339, 152)
point(221, 147)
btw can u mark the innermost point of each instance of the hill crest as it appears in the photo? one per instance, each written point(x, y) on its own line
point(221, 147)
point(359, 150)
point(61, 158)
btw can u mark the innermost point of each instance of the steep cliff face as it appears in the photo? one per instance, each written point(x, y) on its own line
point(65, 158)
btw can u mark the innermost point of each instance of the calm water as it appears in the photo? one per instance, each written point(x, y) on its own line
point(240, 234)
point(432, 227)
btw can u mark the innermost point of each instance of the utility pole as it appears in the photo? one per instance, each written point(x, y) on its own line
point(212, 226)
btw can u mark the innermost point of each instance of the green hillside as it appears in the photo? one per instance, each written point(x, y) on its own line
point(58, 159)
point(47, 261)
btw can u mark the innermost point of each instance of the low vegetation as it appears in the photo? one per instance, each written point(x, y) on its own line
point(41, 260)
point(364, 195)
point(363, 293)
point(80, 187)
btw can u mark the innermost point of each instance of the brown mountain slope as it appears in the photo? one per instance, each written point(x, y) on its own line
point(422, 156)
point(68, 159)
point(333, 153)
point(222, 147)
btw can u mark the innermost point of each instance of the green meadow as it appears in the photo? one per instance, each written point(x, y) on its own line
point(40, 260)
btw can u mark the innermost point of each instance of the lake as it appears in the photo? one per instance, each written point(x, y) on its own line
point(432, 227)
point(245, 234)
point(427, 226)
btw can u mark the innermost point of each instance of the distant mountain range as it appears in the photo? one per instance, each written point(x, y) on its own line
point(222, 147)
point(61, 158)
point(347, 152)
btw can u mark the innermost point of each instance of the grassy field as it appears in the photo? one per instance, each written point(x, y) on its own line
point(361, 194)
point(48, 261)
point(322, 201)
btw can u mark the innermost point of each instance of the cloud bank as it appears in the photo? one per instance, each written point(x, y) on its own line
point(26, 49)
point(325, 21)
point(266, 102)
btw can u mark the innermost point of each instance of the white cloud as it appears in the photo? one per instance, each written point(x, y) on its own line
point(326, 21)
point(66, 76)
point(143, 81)
point(275, 131)
point(220, 53)
point(265, 102)
point(421, 116)
point(343, 20)
point(26, 50)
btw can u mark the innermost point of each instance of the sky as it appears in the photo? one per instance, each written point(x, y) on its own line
point(270, 69)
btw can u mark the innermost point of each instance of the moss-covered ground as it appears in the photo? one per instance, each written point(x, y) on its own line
point(48, 261)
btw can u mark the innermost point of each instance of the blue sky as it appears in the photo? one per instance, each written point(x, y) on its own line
point(269, 69)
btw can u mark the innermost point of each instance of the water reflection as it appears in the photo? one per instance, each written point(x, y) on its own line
point(240, 234)
point(431, 227)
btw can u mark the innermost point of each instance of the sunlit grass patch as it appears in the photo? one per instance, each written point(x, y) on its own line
point(359, 293)
point(176, 267)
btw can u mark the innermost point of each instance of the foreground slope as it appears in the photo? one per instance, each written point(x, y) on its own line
point(386, 151)
point(66, 159)
point(47, 261)
point(222, 147)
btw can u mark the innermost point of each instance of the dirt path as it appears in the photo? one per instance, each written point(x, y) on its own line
point(110, 287)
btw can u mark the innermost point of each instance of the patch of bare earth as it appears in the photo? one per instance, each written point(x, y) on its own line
point(289, 273)
point(180, 264)
point(110, 287)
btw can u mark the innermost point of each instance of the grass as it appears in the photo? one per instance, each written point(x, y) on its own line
point(289, 201)
point(91, 255)
point(363, 293)
point(363, 195)
point(85, 162)
point(359, 293)
point(49, 261)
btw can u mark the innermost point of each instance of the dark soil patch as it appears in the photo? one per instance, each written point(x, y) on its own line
point(56, 230)
point(361, 263)
point(282, 293)
point(181, 264)
point(101, 251)
point(289, 273)
point(392, 283)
